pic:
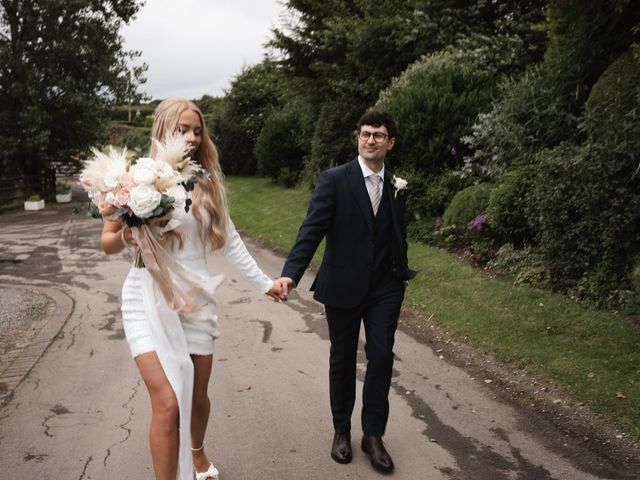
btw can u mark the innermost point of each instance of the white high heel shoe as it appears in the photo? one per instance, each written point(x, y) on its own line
point(211, 474)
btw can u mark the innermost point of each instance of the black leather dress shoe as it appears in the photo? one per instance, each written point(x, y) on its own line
point(341, 447)
point(378, 455)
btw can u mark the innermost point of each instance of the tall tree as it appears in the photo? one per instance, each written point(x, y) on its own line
point(346, 51)
point(61, 64)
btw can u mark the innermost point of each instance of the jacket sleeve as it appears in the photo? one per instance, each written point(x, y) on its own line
point(239, 257)
point(313, 228)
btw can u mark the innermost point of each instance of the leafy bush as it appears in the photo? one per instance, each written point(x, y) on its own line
point(434, 102)
point(525, 265)
point(507, 207)
point(333, 141)
point(585, 197)
point(529, 116)
point(466, 205)
point(254, 93)
point(466, 216)
point(283, 142)
point(62, 187)
point(138, 140)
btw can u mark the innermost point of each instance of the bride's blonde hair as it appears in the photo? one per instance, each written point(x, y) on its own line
point(209, 196)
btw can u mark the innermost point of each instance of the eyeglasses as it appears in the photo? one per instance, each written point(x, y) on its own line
point(377, 136)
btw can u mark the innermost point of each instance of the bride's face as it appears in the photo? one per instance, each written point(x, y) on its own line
point(189, 125)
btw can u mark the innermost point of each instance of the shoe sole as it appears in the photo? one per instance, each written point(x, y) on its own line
point(343, 461)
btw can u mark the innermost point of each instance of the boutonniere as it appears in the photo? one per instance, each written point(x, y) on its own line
point(399, 184)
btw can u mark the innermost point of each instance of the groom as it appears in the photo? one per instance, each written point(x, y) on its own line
point(360, 211)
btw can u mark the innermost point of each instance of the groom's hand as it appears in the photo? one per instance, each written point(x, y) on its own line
point(287, 285)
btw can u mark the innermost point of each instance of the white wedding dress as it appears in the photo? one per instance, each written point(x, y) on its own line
point(150, 325)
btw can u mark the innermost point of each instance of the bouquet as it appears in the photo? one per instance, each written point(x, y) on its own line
point(144, 190)
point(143, 193)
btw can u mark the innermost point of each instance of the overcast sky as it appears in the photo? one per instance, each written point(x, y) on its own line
point(195, 47)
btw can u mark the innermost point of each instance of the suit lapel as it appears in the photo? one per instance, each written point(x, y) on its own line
point(391, 195)
point(358, 189)
point(393, 202)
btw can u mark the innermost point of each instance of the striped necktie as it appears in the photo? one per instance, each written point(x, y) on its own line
point(374, 192)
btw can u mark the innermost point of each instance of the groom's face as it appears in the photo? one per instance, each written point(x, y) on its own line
point(374, 143)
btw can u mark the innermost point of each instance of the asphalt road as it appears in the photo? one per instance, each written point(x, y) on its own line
point(82, 412)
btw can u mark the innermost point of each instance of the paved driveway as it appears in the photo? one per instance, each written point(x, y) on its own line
point(82, 411)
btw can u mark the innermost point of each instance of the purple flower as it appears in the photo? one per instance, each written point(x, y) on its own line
point(454, 152)
point(478, 222)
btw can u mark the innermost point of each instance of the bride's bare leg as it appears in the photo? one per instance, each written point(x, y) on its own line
point(163, 434)
point(200, 408)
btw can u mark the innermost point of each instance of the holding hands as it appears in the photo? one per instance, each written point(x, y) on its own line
point(280, 289)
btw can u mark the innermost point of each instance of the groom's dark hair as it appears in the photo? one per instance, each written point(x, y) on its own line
point(378, 118)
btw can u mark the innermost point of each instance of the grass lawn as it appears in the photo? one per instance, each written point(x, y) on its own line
point(592, 355)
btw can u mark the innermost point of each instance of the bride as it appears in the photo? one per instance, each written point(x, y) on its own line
point(176, 372)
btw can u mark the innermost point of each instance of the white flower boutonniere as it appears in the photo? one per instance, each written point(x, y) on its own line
point(399, 184)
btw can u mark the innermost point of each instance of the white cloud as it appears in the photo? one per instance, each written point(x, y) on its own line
point(195, 47)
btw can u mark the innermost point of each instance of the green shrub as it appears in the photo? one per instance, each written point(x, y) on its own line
point(585, 200)
point(428, 197)
point(610, 114)
point(241, 114)
point(585, 197)
point(333, 141)
point(529, 116)
point(62, 187)
point(466, 205)
point(434, 102)
point(138, 140)
point(466, 214)
point(282, 144)
point(507, 207)
point(525, 265)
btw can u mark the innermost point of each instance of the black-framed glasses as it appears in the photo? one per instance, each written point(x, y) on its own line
point(377, 136)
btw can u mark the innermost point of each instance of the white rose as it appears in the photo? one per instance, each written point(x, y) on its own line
point(179, 195)
point(142, 175)
point(144, 200)
point(399, 184)
point(114, 177)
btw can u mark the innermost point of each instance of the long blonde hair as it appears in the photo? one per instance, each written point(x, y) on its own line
point(209, 197)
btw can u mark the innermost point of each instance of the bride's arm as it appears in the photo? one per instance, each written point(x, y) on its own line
point(114, 233)
point(111, 239)
point(240, 258)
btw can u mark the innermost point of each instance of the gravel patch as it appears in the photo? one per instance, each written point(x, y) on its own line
point(23, 311)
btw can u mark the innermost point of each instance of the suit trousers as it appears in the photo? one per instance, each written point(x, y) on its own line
point(379, 313)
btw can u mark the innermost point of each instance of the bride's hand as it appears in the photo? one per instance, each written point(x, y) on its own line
point(105, 209)
point(127, 237)
point(277, 292)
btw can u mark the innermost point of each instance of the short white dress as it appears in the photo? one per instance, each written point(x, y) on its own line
point(201, 328)
point(151, 325)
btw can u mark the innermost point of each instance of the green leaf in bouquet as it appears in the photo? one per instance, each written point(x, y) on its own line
point(160, 210)
point(93, 210)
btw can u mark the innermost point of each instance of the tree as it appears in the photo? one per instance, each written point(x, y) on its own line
point(61, 66)
point(254, 93)
point(345, 52)
point(131, 79)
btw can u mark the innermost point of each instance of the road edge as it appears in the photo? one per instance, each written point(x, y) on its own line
point(16, 372)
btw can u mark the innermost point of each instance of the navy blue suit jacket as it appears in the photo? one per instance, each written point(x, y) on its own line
point(340, 210)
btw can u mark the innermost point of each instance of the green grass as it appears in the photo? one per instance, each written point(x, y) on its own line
point(592, 355)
